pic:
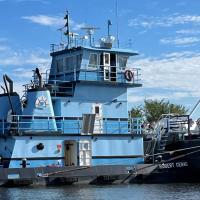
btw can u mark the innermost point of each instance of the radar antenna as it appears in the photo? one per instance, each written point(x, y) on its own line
point(90, 31)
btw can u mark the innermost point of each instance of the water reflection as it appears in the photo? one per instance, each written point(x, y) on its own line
point(115, 192)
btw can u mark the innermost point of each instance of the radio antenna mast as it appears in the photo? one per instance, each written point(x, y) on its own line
point(109, 24)
point(67, 27)
point(117, 23)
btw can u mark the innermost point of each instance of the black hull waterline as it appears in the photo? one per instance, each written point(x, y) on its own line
point(180, 164)
point(64, 175)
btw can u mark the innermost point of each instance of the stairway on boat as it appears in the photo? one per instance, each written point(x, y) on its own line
point(170, 125)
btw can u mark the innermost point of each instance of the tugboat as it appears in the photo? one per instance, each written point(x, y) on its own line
point(173, 152)
point(72, 122)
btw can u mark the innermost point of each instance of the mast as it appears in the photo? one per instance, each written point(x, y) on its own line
point(109, 24)
point(67, 27)
point(116, 7)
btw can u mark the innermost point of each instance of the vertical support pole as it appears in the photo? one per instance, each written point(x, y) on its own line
point(119, 124)
point(17, 123)
point(55, 86)
point(78, 121)
point(48, 125)
point(141, 126)
point(106, 124)
point(168, 124)
point(153, 158)
point(85, 74)
point(46, 76)
point(3, 126)
point(116, 7)
point(32, 121)
point(63, 125)
point(74, 74)
point(189, 133)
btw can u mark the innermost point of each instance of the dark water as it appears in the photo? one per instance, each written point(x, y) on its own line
point(122, 192)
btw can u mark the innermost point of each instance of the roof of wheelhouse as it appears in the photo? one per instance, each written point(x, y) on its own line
point(99, 49)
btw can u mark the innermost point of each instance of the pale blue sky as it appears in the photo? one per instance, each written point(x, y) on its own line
point(165, 33)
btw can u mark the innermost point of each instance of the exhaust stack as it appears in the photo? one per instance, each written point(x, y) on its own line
point(37, 71)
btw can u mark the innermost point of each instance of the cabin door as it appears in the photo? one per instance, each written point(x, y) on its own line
point(98, 123)
point(85, 153)
point(106, 64)
point(71, 153)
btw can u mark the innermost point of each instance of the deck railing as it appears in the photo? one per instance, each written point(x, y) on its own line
point(68, 125)
point(96, 73)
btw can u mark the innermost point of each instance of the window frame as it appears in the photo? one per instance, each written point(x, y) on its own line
point(104, 59)
point(93, 66)
point(59, 68)
point(122, 57)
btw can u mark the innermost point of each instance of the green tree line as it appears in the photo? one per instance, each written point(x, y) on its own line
point(153, 109)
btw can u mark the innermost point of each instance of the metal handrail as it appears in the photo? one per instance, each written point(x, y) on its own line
point(23, 123)
point(173, 119)
point(95, 75)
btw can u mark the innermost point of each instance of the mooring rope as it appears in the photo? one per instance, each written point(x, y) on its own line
point(135, 171)
point(63, 171)
point(171, 152)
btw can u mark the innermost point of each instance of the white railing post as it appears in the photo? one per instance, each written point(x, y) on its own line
point(17, 123)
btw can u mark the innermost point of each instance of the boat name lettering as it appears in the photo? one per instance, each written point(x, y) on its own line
point(173, 165)
point(166, 165)
point(182, 164)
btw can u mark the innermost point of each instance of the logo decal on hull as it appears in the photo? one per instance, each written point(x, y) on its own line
point(41, 102)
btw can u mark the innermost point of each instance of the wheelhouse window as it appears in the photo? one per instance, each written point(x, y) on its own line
point(59, 65)
point(106, 59)
point(78, 61)
point(93, 61)
point(122, 60)
point(113, 59)
point(72, 62)
point(69, 63)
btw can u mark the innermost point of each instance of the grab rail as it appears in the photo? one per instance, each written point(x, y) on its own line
point(68, 125)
